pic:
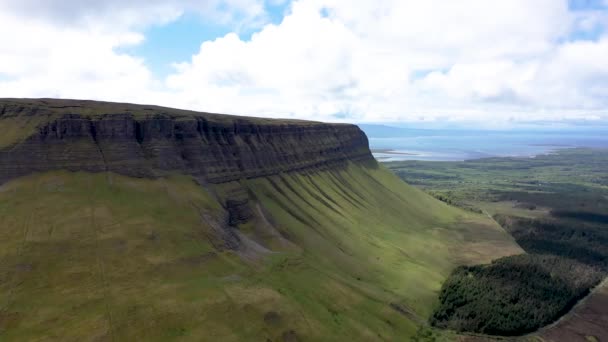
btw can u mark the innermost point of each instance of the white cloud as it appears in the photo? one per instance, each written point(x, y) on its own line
point(69, 48)
point(383, 60)
point(123, 14)
point(45, 60)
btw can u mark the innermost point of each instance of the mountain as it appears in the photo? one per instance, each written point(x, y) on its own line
point(130, 222)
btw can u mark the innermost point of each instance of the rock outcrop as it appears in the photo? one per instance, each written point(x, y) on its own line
point(149, 141)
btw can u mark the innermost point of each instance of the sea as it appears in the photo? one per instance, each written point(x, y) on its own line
point(447, 145)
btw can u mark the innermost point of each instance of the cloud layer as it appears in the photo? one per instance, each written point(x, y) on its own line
point(389, 60)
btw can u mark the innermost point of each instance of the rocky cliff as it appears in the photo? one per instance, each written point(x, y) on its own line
point(149, 141)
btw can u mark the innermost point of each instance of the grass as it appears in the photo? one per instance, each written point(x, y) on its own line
point(15, 129)
point(352, 254)
point(376, 230)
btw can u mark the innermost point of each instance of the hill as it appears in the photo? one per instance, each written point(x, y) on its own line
point(127, 222)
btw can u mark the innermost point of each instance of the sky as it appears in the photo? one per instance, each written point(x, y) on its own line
point(427, 62)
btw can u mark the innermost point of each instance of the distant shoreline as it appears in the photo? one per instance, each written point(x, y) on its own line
point(453, 146)
point(389, 159)
point(391, 151)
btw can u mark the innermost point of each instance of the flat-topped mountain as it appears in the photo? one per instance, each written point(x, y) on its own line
point(136, 140)
point(140, 223)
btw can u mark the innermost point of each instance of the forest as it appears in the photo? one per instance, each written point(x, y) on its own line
point(513, 295)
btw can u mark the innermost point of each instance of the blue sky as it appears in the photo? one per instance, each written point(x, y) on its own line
point(494, 64)
point(583, 5)
point(178, 40)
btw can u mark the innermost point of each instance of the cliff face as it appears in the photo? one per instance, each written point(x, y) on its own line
point(146, 141)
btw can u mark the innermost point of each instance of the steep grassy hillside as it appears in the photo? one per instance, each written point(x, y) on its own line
point(129, 222)
point(349, 253)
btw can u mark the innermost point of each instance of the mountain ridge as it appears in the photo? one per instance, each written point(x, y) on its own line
point(308, 238)
point(150, 141)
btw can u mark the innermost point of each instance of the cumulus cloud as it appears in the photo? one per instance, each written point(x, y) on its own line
point(70, 48)
point(393, 60)
point(388, 60)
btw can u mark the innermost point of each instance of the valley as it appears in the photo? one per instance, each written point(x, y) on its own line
point(555, 207)
point(303, 171)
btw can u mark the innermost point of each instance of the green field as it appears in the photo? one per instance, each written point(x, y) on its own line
point(568, 179)
point(352, 254)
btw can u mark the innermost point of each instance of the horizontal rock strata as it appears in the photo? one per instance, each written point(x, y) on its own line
point(148, 141)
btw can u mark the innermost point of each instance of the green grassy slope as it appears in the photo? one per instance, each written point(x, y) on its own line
point(350, 254)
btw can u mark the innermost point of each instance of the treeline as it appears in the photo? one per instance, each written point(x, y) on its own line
point(580, 240)
point(513, 295)
point(566, 200)
point(448, 198)
point(582, 216)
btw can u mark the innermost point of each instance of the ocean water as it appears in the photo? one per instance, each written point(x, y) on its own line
point(459, 145)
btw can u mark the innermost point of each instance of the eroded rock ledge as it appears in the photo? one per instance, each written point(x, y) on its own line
point(149, 141)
